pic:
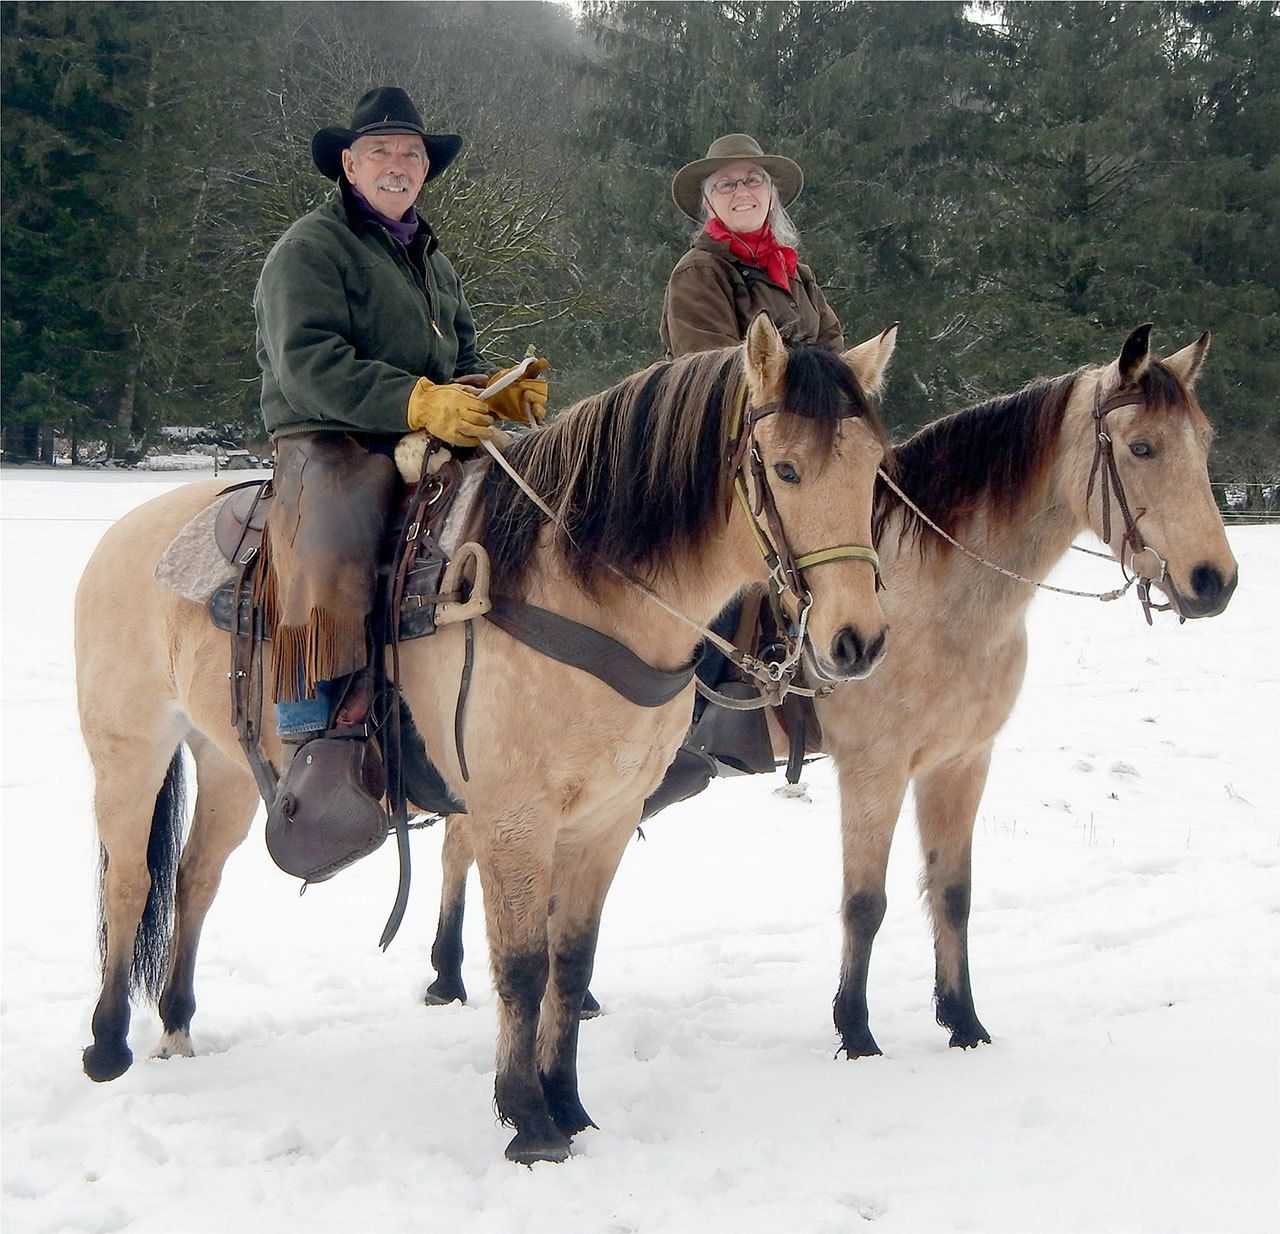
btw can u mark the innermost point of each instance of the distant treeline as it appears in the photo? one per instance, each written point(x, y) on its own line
point(1018, 191)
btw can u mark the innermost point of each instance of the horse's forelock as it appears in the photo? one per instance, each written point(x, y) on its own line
point(820, 389)
point(1165, 393)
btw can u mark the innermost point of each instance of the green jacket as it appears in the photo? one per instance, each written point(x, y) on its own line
point(347, 324)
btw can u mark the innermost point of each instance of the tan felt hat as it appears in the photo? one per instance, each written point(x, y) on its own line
point(686, 187)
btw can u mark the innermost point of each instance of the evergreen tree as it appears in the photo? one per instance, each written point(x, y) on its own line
point(63, 113)
point(897, 143)
point(1219, 234)
point(1017, 191)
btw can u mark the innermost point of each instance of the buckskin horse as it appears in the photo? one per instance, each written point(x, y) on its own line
point(1018, 478)
point(642, 478)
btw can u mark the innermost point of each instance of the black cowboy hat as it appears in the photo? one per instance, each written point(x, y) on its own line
point(385, 109)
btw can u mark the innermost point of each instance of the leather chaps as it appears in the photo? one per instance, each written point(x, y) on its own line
point(321, 546)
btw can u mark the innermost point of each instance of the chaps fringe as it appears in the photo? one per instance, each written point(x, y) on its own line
point(329, 645)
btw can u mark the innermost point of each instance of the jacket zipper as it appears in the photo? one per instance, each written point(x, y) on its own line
point(402, 255)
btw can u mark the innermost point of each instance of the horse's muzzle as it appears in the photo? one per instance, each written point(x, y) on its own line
point(1210, 592)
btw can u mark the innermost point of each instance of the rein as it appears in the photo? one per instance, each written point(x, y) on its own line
point(1104, 465)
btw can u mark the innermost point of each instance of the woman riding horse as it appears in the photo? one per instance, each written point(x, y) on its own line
point(743, 259)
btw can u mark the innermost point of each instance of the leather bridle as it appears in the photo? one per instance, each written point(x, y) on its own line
point(786, 568)
point(1104, 473)
point(1104, 467)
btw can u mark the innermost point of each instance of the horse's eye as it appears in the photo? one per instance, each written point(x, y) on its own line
point(1142, 449)
point(787, 473)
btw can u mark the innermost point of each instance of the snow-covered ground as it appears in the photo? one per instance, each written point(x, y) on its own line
point(1124, 945)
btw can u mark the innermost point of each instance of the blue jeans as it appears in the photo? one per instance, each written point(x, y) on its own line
point(307, 715)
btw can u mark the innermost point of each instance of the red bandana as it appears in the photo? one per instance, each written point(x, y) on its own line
point(759, 249)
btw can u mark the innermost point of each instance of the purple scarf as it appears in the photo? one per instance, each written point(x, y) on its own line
point(403, 229)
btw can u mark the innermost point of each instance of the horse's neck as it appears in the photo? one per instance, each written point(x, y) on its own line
point(698, 583)
point(1029, 542)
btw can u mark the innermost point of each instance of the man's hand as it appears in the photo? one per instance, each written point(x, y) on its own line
point(450, 412)
point(524, 398)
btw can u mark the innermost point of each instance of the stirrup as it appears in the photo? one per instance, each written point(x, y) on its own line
point(328, 809)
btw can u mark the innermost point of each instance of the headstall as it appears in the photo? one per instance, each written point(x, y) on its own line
point(1104, 466)
point(1105, 474)
point(786, 569)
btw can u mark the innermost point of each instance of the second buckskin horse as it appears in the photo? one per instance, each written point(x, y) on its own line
point(1016, 479)
point(642, 478)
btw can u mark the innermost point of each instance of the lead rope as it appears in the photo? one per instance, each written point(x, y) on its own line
point(991, 565)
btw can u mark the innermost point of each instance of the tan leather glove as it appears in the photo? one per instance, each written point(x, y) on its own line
point(450, 412)
point(526, 397)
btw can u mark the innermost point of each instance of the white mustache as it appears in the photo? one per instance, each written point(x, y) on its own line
point(392, 182)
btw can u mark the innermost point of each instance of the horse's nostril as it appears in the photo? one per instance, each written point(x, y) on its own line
point(846, 650)
point(1206, 582)
point(876, 650)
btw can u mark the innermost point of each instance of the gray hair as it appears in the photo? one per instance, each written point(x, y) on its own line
point(784, 230)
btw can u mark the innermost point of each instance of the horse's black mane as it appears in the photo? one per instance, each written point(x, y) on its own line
point(995, 454)
point(638, 472)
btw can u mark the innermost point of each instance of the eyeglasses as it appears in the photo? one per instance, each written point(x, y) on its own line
point(752, 180)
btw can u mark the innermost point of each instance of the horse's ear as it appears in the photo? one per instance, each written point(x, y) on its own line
point(870, 359)
point(1185, 364)
point(1135, 355)
point(766, 357)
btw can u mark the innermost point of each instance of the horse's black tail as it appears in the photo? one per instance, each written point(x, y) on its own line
point(164, 847)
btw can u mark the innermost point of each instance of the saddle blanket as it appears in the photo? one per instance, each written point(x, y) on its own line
point(193, 566)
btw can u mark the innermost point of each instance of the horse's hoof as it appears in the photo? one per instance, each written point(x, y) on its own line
point(859, 1045)
point(590, 1008)
point(104, 1062)
point(442, 992)
point(565, 1107)
point(970, 1037)
point(956, 1014)
point(175, 1044)
point(528, 1147)
point(572, 1118)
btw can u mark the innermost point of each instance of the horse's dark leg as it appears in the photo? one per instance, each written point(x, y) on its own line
point(870, 798)
point(584, 872)
point(456, 857)
point(571, 964)
point(515, 872)
point(946, 806)
point(138, 803)
point(226, 801)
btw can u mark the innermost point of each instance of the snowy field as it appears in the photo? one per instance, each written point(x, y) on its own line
point(1124, 945)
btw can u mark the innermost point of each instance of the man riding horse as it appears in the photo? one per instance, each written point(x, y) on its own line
point(364, 333)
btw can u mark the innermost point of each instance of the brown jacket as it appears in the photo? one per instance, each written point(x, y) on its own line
point(712, 298)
